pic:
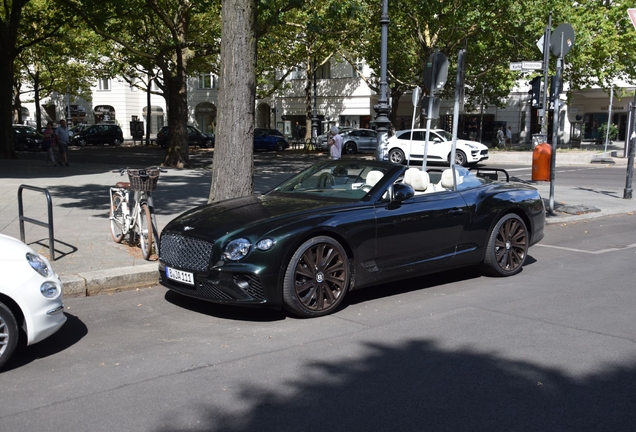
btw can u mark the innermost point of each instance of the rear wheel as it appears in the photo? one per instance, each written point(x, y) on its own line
point(317, 278)
point(8, 334)
point(117, 142)
point(280, 146)
point(116, 218)
point(81, 142)
point(145, 231)
point(397, 156)
point(507, 247)
point(350, 148)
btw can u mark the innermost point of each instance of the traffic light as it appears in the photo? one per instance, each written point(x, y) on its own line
point(553, 84)
point(535, 91)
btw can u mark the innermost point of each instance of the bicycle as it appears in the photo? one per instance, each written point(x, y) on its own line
point(138, 219)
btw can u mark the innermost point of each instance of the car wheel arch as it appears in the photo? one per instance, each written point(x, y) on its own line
point(516, 211)
point(15, 309)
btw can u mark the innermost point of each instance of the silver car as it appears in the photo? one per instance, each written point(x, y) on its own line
point(359, 140)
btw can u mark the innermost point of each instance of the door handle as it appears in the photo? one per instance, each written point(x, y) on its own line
point(455, 212)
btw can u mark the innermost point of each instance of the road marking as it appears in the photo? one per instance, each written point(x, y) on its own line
point(602, 251)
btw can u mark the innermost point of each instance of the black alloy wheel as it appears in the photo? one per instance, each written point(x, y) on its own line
point(280, 146)
point(8, 334)
point(350, 148)
point(507, 247)
point(317, 278)
point(460, 158)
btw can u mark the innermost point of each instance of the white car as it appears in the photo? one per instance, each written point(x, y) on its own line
point(30, 297)
point(439, 148)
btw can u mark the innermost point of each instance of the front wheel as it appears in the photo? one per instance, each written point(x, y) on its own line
point(81, 142)
point(317, 278)
point(507, 247)
point(396, 156)
point(8, 334)
point(117, 142)
point(280, 146)
point(116, 218)
point(145, 231)
point(460, 158)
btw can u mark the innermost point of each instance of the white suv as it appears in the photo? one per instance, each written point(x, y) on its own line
point(401, 148)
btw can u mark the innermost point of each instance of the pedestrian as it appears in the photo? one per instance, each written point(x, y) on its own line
point(48, 144)
point(335, 143)
point(509, 137)
point(500, 137)
point(62, 142)
point(473, 129)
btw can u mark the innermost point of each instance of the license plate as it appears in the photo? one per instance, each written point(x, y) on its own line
point(180, 276)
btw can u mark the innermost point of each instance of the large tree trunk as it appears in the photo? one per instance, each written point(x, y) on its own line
point(309, 112)
point(233, 164)
point(8, 32)
point(177, 99)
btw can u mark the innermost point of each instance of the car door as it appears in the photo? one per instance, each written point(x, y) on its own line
point(259, 139)
point(369, 140)
point(414, 147)
point(419, 234)
point(438, 148)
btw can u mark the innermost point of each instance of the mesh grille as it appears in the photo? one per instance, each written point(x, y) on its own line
point(254, 289)
point(185, 253)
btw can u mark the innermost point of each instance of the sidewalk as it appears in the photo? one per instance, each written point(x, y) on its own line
point(89, 262)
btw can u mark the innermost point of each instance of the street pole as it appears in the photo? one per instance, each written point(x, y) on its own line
point(555, 124)
point(546, 70)
point(631, 138)
point(609, 117)
point(431, 95)
point(314, 119)
point(383, 109)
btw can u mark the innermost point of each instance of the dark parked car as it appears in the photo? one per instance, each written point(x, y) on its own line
point(348, 224)
point(27, 138)
point(269, 139)
point(98, 134)
point(196, 138)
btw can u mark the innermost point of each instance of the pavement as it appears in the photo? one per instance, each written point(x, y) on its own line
point(90, 263)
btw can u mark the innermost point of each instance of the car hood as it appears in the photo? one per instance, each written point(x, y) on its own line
point(476, 144)
point(265, 211)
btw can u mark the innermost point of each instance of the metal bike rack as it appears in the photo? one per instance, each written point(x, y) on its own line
point(48, 225)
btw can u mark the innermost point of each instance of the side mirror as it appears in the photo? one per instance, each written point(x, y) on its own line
point(401, 192)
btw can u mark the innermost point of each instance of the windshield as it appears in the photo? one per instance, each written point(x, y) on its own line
point(346, 180)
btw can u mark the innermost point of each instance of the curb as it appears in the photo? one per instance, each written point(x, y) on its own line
point(108, 281)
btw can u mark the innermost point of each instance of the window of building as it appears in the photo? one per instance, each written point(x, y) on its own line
point(103, 83)
point(297, 73)
point(324, 71)
point(207, 81)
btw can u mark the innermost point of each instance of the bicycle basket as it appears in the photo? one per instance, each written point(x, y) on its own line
point(143, 179)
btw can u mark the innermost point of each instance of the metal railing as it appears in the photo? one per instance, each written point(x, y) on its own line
point(48, 225)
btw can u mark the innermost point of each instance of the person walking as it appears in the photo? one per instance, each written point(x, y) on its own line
point(335, 144)
point(62, 141)
point(48, 144)
point(509, 137)
point(500, 137)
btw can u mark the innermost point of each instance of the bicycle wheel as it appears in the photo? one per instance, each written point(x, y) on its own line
point(116, 217)
point(145, 231)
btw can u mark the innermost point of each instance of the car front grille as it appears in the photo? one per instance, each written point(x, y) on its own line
point(484, 152)
point(185, 253)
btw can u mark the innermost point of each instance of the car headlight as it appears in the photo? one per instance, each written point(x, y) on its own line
point(237, 249)
point(471, 146)
point(50, 290)
point(265, 244)
point(38, 264)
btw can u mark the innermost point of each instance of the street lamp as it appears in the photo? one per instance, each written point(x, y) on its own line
point(383, 109)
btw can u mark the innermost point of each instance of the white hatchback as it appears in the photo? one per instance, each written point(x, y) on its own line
point(401, 148)
point(30, 297)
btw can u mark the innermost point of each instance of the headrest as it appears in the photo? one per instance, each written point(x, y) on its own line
point(373, 177)
point(447, 179)
point(420, 181)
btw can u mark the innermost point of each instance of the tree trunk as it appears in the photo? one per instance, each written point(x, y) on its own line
point(177, 101)
point(7, 150)
point(309, 112)
point(233, 164)
point(36, 99)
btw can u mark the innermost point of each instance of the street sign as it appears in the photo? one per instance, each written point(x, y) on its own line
point(531, 65)
point(563, 32)
point(435, 72)
point(515, 66)
point(632, 16)
point(416, 95)
point(540, 43)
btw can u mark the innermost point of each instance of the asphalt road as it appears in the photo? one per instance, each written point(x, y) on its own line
point(551, 349)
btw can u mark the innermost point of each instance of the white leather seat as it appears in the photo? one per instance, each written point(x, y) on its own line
point(446, 182)
point(373, 177)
